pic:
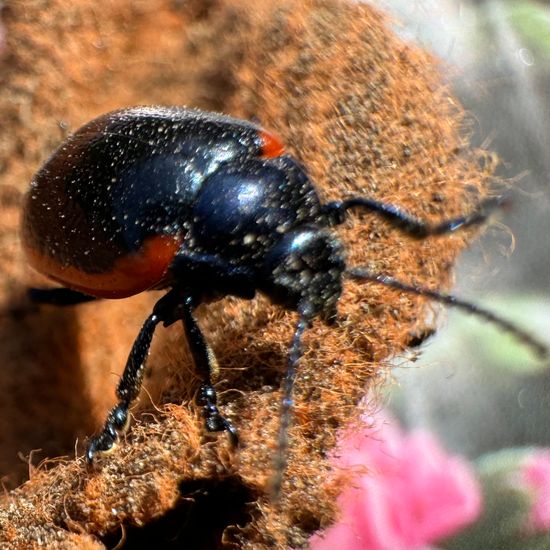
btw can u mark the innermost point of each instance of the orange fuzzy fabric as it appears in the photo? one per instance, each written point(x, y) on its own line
point(365, 113)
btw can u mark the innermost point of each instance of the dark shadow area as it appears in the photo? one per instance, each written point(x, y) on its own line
point(43, 406)
point(197, 522)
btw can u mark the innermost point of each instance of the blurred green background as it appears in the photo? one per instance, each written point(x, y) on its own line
point(475, 387)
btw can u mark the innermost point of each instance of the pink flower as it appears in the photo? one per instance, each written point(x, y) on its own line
point(536, 475)
point(410, 494)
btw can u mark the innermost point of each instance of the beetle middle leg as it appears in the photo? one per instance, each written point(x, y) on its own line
point(205, 365)
point(208, 274)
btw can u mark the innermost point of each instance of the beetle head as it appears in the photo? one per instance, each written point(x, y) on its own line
point(303, 271)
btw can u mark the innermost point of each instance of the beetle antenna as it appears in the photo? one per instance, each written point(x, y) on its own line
point(281, 454)
point(538, 347)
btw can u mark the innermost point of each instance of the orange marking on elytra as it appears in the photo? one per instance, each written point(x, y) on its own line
point(272, 146)
point(130, 274)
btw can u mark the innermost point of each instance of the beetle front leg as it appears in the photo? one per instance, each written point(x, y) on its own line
point(205, 365)
point(405, 222)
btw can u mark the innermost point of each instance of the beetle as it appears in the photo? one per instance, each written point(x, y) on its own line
point(204, 206)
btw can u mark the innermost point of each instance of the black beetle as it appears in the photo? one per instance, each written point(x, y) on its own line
point(204, 205)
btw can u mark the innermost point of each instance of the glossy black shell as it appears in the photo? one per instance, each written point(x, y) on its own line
point(125, 176)
point(126, 193)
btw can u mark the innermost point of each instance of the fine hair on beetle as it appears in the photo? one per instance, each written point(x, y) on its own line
point(205, 206)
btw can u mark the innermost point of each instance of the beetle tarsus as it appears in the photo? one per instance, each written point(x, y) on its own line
point(103, 443)
point(213, 420)
point(115, 425)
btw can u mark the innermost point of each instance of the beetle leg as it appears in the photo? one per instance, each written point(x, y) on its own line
point(205, 365)
point(413, 227)
point(58, 296)
point(128, 388)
